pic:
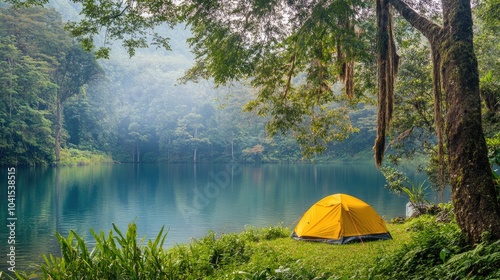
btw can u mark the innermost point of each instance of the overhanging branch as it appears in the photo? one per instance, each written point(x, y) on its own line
point(421, 23)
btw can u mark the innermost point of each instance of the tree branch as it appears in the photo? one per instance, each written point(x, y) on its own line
point(421, 23)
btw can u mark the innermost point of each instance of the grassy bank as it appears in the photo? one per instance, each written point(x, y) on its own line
point(73, 157)
point(321, 259)
point(422, 248)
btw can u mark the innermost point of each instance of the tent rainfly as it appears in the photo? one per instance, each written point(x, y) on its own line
point(340, 219)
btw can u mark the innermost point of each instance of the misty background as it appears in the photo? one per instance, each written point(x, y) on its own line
point(136, 109)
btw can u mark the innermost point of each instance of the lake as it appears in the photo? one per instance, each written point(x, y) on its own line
point(187, 199)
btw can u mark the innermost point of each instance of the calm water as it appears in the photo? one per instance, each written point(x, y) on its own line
point(188, 199)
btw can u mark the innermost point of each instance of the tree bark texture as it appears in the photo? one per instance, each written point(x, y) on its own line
point(473, 191)
point(438, 113)
point(474, 194)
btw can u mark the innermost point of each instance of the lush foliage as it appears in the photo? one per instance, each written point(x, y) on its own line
point(292, 59)
point(73, 156)
point(438, 251)
point(267, 253)
point(399, 183)
point(36, 56)
point(433, 244)
point(27, 90)
point(120, 255)
point(112, 257)
point(422, 248)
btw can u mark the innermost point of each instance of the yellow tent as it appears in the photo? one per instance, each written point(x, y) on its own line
point(340, 219)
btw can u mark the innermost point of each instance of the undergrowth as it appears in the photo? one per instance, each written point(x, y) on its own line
point(422, 248)
point(437, 251)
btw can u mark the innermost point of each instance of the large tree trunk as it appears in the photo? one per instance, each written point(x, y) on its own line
point(473, 192)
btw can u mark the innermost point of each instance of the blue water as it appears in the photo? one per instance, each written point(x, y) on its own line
point(187, 199)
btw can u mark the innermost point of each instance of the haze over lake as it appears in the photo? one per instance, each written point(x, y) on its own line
point(187, 199)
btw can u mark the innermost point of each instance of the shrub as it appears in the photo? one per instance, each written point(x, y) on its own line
point(113, 257)
point(399, 183)
point(72, 157)
point(227, 249)
point(423, 258)
point(483, 262)
point(431, 245)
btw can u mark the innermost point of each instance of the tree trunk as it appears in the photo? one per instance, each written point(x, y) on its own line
point(473, 191)
point(194, 156)
point(57, 144)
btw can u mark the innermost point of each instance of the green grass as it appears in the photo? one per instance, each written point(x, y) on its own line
point(334, 260)
point(74, 157)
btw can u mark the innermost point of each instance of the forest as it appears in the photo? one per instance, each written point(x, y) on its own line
point(59, 102)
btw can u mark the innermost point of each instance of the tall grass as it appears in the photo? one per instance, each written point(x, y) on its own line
point(115, 256)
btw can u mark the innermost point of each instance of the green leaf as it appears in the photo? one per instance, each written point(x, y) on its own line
point(444, 254)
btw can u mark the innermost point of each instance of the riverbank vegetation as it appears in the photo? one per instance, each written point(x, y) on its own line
point(427, 247)
point(72, 157)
